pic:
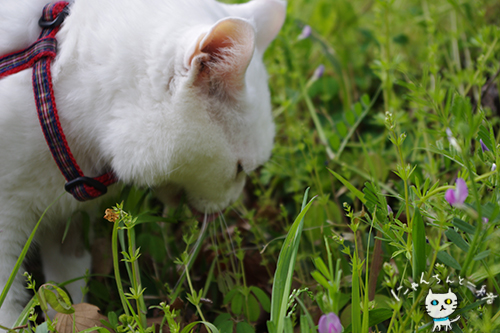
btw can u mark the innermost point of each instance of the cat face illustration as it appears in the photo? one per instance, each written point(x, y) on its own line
point(440, 305)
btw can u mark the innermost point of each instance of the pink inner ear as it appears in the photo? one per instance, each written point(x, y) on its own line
point(227, 50)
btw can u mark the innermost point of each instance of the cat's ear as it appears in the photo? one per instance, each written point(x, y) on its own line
point(449, 291)
point(430, 291)
point(223, 54)
point(268, 17)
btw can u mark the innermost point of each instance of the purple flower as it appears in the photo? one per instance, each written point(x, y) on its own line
point(389, 209)
point(306, 32)
point(457, 196)
point(329, 323)
point(483, 146)
point(319, 72)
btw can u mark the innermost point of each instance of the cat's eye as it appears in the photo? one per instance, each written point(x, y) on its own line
point(448, 301)
point(434, 302)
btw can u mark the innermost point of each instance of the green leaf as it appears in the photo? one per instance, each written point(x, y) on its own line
point(462, 225)
point(365, 99)
point(263, 298)
point(288, 325)
point(482, 255)
point(107, 324)
point(350, 116)
point(253, 308)
point(244, 327)
point(353, 189)
point(229, 296)
point(358, 108)
point(226, 326)
point(379, 315)
point(320, 266)
point(56, 298)
point(113, 319)
point(334, 140)
point(371, 196)
point(484, 135)
point(304, 325)
point(237, 304)
point(456, 239)
point(222, 318)
point(42, 328)
point(448, 260)
point(23, 317)
point(321, 279)
point(210, 327)
point(342, 129)
point(271, 327)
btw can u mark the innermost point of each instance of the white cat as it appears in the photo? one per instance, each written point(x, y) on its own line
point(440, 307)
point(170, 94)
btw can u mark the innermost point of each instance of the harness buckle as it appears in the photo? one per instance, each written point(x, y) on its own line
point(44, 24)
point(88, 181)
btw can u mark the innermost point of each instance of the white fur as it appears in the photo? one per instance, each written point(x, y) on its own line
point(128, 101)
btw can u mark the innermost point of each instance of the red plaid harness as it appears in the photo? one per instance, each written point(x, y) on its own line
point(39, 56)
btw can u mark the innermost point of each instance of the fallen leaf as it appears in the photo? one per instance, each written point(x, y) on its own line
point(86, 316)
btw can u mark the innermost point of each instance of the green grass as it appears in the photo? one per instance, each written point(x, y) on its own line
point(371, 132)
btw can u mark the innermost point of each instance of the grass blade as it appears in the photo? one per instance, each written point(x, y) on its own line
point(360, 195)
point(355, 304)
point(284, 270)
point(23, 254)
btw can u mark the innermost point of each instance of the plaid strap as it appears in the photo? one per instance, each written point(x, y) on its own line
point(40, 56)
point(17, 61)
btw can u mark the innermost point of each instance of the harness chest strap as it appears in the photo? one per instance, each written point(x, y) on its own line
point(39, 56)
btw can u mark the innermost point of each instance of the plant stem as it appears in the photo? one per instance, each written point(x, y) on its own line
point(136, 277)
point(116, 267)
point(193, 292)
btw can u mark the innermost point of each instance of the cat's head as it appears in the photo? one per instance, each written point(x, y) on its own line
point(440, 305)
point(205, 111)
